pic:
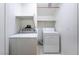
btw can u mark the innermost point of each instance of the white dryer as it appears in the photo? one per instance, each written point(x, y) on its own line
point(50, 40)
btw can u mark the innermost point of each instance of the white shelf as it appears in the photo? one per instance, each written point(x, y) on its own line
point(25, 17)
point(46, 18)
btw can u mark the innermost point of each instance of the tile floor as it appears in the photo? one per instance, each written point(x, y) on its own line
point(40, 49)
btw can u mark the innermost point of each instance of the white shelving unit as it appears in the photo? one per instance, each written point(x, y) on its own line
point(46, 15)
point(46, 18)
point(45, 21)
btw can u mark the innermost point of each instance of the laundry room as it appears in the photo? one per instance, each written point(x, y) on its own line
point(38, 29)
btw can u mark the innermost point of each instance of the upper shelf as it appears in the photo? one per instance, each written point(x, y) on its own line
point(25, 17)
point(47, 7)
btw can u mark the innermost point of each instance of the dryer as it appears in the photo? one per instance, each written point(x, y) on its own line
point(50, 40)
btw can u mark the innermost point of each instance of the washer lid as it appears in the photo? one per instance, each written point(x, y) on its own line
point(27, 35)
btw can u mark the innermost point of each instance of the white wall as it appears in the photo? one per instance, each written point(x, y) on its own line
point(35, 15)
point(66, 25)
point(10, 23)
point(47, 11)
point(18, 9)
point(2, 33)
point(78, 28)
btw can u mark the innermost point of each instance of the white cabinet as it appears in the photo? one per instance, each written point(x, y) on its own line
point(25, 9)
point(23, 44)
